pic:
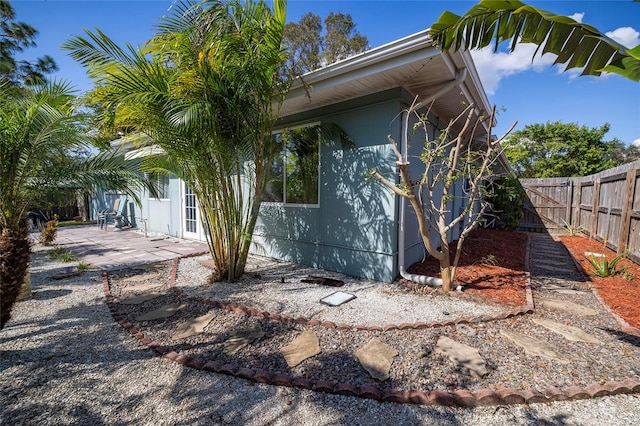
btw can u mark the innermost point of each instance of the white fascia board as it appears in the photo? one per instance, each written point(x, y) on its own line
point(475, 77)
point(391, 55)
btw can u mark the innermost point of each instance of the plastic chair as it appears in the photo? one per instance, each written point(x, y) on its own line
point(117, 215)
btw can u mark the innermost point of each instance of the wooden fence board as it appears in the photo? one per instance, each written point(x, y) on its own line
point(605, 206)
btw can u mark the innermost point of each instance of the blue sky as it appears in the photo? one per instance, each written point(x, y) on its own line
point(528, 92)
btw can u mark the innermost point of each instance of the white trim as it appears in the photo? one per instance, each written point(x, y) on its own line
point(400, 52)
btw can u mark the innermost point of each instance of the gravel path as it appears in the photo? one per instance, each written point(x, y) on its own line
point(63, 360)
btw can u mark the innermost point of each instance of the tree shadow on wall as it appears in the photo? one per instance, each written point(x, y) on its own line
point(351, 231)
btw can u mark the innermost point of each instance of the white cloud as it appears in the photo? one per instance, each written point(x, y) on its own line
point(578, 16)
point(636, 142)
point(626, 36)
point(493, 67)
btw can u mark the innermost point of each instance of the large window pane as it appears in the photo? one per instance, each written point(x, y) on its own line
point(293, 177)
point(302, 166)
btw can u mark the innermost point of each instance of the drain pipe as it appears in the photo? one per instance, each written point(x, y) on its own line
point(420, 279)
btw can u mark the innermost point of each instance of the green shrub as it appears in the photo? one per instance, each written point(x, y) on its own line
point(48, 234)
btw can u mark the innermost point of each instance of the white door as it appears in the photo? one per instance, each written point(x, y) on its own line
point(190, 215)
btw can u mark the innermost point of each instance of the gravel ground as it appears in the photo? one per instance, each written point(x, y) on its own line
point(64, 361)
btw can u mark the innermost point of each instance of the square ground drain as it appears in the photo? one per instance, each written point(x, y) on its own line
point(337, 298)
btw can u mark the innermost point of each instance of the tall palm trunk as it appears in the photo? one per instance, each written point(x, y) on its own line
point(15, 248)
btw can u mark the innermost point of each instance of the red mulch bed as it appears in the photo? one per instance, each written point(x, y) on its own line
point(491, 266)
point(621, 294)
point(492, 269)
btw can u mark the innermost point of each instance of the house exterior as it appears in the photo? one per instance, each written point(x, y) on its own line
point(339, 219)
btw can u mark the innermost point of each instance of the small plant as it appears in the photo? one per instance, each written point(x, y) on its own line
point(627, 274)
point(67, 257)
point(570, 229)
point(83, 266)
point(606, 268)
point(48, 234)
point(489, 260)
point(61, 254)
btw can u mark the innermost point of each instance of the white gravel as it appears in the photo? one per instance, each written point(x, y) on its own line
point(276, 286)
point(64, 361)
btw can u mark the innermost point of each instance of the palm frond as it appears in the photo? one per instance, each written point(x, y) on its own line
point(576, 44)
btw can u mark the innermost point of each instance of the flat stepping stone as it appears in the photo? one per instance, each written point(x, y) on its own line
point(463, 355)
point(140, 287)
point(193, 327)
point(136, 300)
point(569, 332)
point(567, 306)
point(304, 346)
point(242, 337)
point(163, 312)
point(142, 277)
point(534, 346)
point(376, 358)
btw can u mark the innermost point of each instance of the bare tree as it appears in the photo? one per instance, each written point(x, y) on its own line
point(448, 158)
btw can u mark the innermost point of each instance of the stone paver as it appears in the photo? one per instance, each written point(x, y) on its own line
point(162, 312)
point(569, 332)
point(464, 355)
point(304, 346)
point(242, 338)
point(567, 306)
point(376, 358)
point(139, 299)
point(194, 326)
point(535, 347)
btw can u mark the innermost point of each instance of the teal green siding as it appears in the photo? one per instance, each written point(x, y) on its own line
point(354, 228)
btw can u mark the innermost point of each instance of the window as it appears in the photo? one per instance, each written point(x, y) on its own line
point(161, 182)
point(293, 177)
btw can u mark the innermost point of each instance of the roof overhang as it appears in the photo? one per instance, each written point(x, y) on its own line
point(412, 63)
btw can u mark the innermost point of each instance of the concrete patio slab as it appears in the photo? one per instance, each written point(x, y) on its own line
point(115, 250)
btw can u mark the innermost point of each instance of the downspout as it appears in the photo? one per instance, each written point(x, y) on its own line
point(420, 279)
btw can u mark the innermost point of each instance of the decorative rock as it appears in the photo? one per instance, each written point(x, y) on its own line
point(163, 312)
point(466, 330)
point(304, 346)
point(463, 355)
point(193, 327)
point(376, 358)
point(574, 308)
point(242, 338)
point(569, 332)
point(534, 347)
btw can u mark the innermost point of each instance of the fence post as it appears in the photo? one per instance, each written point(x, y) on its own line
point(625, 223)
point(576, 208)
point(594, 209)
point(569, 202)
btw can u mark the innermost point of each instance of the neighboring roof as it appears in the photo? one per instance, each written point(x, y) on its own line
point(411, 62)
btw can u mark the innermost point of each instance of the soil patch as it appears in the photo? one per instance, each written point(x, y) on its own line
point(620, 292)
point(491, 266)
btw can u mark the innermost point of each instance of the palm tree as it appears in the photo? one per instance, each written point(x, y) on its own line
point(39, 129)
point(207, 88)
point(576, 44)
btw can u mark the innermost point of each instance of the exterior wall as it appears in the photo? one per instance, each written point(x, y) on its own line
point(354, 229)
point(163, 216)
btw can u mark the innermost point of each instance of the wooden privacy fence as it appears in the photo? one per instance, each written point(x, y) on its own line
point(604, 206)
